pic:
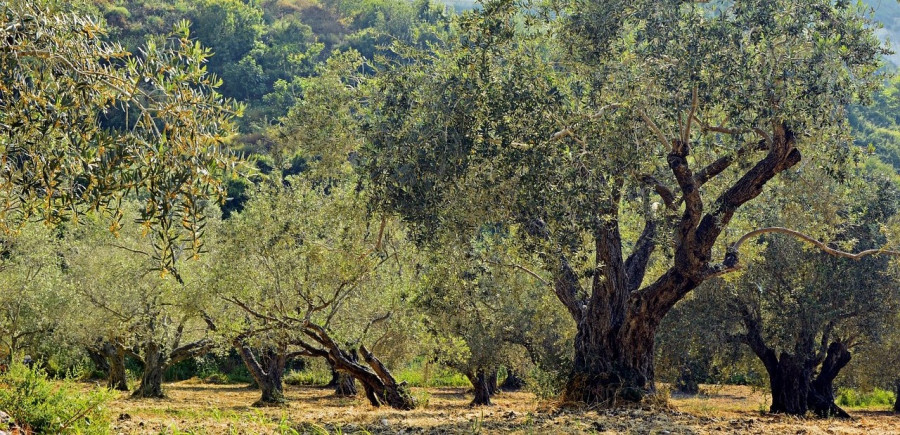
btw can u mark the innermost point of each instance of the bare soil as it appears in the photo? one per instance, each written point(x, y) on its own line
point(198, 408)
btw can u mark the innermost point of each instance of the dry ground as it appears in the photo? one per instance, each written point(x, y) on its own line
point(224, 409)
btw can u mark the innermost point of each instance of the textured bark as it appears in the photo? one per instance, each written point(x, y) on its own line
point(821, 395)
point(480, 382)
point(617, 321)
point(345, 385)
point(377, 381)
point(114, 355)
point(98, 359)
point(790, 386)
point(152, 376)
point(267, 372)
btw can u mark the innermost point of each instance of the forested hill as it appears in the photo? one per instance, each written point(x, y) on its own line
point(261, 49)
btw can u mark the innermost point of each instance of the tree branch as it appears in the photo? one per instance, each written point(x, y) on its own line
point(818, 244)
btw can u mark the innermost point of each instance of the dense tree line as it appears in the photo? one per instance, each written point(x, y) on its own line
point(568, 193)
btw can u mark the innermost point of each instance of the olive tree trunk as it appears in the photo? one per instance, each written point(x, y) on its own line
point(378, 383)
point(267, 371)
point(114, 356)
point(513, 381)
point(617, 318)
point(794, 390)
point(821, 394)
point(157, 359)
point(485, 385)
point(154, 366)
point(345, 385)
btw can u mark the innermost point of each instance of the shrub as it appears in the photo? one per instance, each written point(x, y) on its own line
point(44, 406)
point(216, 378)
point(854, 399)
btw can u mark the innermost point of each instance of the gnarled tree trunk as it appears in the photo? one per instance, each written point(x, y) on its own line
point(268, 372)
point(821, 394)
point(617, 320)
point(154, 367)
point(98, 359)
point(485, 384)
point(114, 355)
point(897, 396)
point(156, 360)
point(378, 383)
point(344, 384)
point(794, 391)
point(789, 381)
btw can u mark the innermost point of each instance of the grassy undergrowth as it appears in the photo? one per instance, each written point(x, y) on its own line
point(42, 405)
point(855, 399)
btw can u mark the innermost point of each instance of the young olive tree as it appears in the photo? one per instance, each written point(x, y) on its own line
point(564, 126)
point(34, 298)
point(305, 260)
point(131, 308)
point(484, 308)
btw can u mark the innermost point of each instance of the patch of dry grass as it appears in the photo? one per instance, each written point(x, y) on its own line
point(225, 409)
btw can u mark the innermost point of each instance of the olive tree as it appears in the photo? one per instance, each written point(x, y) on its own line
point(61, 83)
point(131, 308)
point(33, 299)
point(484, 308)
point(306, 261)
point(308, 268)
point(563, 122)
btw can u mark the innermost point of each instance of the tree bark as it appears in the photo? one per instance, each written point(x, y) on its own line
point(114, 356)
point(512, 382)
point(345, 385)
point(790, 385)
point(378, 382)
point(480, 382)
point(268, 372)
point(152, 376)
point(491, 380)
point(98, 359)
point(821, 394)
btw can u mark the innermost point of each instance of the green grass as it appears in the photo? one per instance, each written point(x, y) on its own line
point(417, 375)
point(855, 399)
point(307, 378)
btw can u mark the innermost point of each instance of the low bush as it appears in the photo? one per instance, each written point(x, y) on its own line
point(41, 405)
point(855, 399)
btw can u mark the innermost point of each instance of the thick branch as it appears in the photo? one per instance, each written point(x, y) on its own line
point(636, 264)
point(662, 190)
point(191, 350)
point(781, 156)
point(721, 164)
